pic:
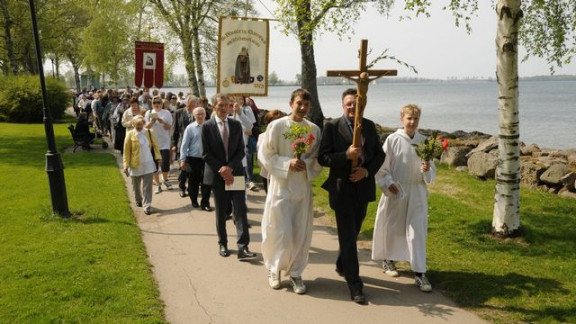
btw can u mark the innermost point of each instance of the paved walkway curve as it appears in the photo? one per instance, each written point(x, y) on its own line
point(199, 286)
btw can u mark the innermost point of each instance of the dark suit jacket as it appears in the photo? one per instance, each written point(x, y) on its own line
point(214, 154)
point(336, 138)
point(181, 120)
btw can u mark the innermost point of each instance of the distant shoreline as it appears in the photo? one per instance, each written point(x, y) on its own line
point(328, 81)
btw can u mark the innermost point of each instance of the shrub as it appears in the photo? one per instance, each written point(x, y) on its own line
point(21, 99)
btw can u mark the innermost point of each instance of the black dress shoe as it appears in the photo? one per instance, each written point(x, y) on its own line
point(224, 251)
point(244, 253)
point(207, 208)
point(195, 205)
point(183, 193)
point(358, 297)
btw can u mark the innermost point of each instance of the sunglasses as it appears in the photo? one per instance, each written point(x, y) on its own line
point(157, 102)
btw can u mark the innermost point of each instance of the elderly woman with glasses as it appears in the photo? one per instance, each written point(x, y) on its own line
point(141, 155)
point(160, 120)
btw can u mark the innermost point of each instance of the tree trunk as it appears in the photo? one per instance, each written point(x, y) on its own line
point(57, 63)
point(30, 59)
point(198, 62)
point(190, 66)
point(506, 217)
point(309, 73)
point(13, 65)
point(76, 69)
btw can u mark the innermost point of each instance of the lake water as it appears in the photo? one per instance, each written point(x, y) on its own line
point(547, 108)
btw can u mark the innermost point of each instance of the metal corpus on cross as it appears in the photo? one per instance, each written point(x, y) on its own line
point(362, 77)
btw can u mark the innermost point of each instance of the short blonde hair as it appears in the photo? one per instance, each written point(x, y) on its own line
point(137, 119)
point(410, 109)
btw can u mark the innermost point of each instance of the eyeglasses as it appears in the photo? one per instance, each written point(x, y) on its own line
point(157, 102)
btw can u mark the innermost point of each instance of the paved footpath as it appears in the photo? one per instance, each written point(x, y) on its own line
point(199, 286)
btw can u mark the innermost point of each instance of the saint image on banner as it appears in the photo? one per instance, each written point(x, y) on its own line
point(149, 61)
point(242, 71)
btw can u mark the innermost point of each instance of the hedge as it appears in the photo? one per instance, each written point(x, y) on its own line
point(21, 99)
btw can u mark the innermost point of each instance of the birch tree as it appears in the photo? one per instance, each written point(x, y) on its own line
point(187, 19)
point(506, 217)
point(547, 30)
point(306, 19)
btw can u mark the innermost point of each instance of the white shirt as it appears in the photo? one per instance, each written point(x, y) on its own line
point(162, 134)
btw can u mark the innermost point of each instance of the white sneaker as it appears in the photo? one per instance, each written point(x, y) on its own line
point(273, 280)
point(252, 186)
point(298, 285)
point(158, 190)
point(390, 268)
point(423, 283)
point(168, 185)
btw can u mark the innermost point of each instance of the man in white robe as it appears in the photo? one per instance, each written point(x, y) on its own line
point(402, 219)
point(288, 212)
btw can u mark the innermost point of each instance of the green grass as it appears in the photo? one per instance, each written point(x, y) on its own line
point(91, 267)
point(526, 279)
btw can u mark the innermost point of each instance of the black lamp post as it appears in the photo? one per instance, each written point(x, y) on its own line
point(54, 166)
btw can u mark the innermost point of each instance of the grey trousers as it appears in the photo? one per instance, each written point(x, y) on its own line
point(142, 185)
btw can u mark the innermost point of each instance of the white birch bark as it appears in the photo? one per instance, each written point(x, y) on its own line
point(506, 217)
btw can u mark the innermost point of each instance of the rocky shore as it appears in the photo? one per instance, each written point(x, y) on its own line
point(551, 170)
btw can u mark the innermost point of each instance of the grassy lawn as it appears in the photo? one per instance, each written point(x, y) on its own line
point(527, 279)
point(89, 268)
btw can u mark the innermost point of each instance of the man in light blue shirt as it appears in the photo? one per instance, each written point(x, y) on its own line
point(191, 160)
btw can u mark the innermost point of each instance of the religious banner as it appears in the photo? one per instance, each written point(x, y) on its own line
point(149, 69)
point(243, 56)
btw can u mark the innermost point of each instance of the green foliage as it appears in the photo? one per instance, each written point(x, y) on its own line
point(90, 268)
point(21, 99)
point(430, 148)
point(547, 27)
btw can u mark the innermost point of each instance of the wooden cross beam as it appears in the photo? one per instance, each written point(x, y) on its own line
point(362, 77)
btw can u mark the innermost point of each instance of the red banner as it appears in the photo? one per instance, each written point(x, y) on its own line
point(149, 69)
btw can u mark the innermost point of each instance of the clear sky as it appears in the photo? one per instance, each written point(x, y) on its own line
point(434, 46)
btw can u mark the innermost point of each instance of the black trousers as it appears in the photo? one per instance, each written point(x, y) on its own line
point(182, 180)
point(349, 218)
point(195, 174)
point(222, 199)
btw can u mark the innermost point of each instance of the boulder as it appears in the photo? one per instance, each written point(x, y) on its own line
point(572, 159)
point(567, 194)
point(482, 165)
point(455, 156)
point(540, 154)
point(485, 146)
point(548, 161)
point(568, 181)
point(553, 176)
point(530, 174)
point(529, 150)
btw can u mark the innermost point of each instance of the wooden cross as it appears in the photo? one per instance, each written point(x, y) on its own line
point(362, 77)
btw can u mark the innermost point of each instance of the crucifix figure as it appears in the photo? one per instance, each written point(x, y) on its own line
point(362, 77)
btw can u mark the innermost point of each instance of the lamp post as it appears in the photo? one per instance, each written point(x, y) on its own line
point(54, 166)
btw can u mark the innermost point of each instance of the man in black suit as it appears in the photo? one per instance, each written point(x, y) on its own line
point(223, 153)
point(182, 117)
point(350, 190)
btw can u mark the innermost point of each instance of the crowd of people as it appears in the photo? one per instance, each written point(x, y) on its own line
point(214, 144)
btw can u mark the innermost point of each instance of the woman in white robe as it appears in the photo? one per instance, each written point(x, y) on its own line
point(402, 219)
point(288, 211)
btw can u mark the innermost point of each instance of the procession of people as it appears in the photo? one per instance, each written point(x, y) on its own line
point(213, 144)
